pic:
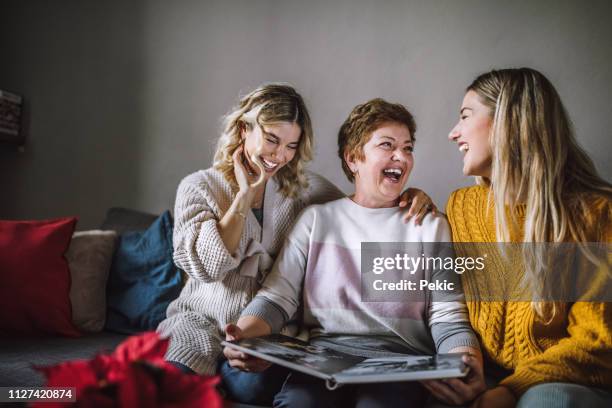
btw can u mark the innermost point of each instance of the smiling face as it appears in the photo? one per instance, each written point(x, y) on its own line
point(384, 168)
point(278, 143)
point(471, 134)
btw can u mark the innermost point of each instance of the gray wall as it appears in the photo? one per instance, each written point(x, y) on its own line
point(126, 96)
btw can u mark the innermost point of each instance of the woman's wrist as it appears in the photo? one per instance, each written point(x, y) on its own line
point(239, 208)
point(471, 351)
point(244, 200)
point(253, 326)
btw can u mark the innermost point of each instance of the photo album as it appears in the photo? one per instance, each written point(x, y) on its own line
point(338, 368)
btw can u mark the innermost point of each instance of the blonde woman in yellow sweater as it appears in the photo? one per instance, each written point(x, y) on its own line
point(534, 184)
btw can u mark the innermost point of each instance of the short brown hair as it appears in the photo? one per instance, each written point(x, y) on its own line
point(363, 120)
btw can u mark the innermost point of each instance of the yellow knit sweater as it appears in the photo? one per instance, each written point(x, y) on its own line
point(575, 347)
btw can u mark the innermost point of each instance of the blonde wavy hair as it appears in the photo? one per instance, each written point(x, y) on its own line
point(536, 162)
point(266, 105)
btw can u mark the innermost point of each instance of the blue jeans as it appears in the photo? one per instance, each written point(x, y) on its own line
point(565, 395)
point(305, 391)
point(552, 395)
point(252, 388)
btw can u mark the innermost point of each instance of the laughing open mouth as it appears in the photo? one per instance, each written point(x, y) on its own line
point(268, 165)
point(393, 174)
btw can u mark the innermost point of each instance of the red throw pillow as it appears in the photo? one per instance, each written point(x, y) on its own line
point(34, 277)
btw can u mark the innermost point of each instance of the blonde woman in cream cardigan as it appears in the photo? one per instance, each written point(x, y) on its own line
point(535, 184)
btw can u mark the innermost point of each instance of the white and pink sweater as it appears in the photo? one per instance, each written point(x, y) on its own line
point(320, 265)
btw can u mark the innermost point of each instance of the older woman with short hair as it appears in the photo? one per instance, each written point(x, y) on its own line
point(319, 267)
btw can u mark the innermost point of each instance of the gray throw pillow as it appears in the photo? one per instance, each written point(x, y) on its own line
point(89, 258)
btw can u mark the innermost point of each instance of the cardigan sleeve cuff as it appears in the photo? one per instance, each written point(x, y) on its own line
point(448, 336)
point(268, 311)
point(461, 339)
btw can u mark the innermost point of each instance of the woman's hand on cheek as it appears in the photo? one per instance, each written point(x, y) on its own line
point(418, 204)
point(256, 159)
point(241, 173)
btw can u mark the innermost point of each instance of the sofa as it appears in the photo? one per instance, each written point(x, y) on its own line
point(18, 355)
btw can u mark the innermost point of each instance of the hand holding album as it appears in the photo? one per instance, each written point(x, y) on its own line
point(338, 368)
point(238, 359)
point(455, 391)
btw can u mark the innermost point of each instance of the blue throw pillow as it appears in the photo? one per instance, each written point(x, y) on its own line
point(143, 279)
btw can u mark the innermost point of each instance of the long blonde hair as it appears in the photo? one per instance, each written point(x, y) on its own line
point(268, 104)
point(536, 162)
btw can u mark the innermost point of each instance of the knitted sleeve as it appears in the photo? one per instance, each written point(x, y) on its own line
point(198, 247)
point(584, 357)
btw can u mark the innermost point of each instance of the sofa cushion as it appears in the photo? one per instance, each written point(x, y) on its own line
point(35, 279)
point(19, 355)
point(143, 279)
point(89, 258)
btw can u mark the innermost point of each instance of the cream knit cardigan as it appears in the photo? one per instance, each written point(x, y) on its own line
point(220, 285)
